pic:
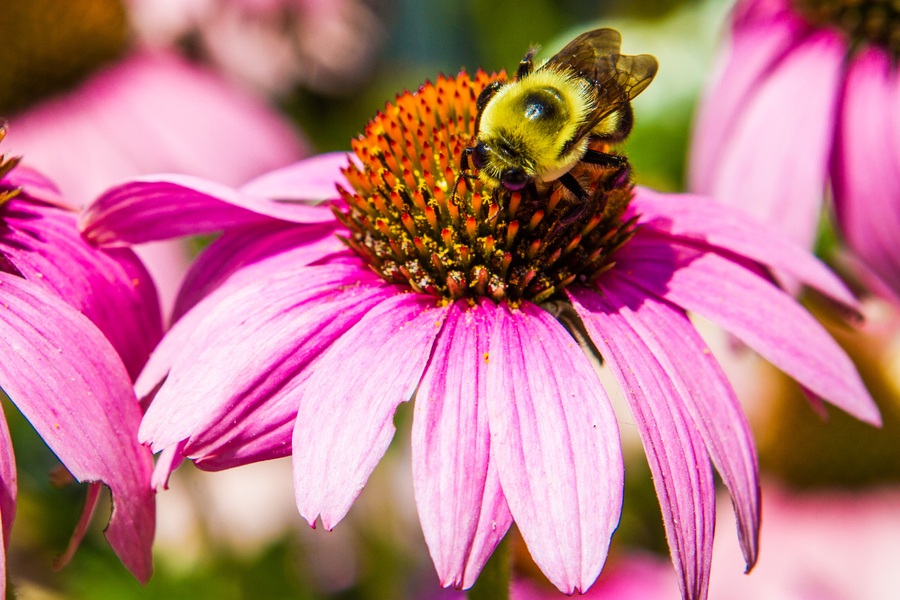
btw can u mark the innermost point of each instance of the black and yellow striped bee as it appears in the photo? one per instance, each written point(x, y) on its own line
point(537, 127)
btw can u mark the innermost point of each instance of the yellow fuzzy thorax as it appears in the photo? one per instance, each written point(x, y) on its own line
point(538, 144)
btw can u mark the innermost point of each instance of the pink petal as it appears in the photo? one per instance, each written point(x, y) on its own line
point(286, 243)
point(315, 178)
point(463, 511)
point(676, 453)
point(761, 37)
point(699, 218)
point(159, 207)
point(152, 113)
point(70, 384)
point(867, 164)
point(779, 176)
point(556, 442)
point(8, 491)
point(111, 288)
point(764, 317)
point(258, 401)
point(244, 347)
point(36, 186)
point(700, 385)
point(345, 418)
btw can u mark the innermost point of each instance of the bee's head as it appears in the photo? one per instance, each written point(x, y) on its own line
point(501, 163)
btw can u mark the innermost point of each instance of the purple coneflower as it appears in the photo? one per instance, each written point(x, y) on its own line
point(78, 324)
point(806, 95)
point(289, 343)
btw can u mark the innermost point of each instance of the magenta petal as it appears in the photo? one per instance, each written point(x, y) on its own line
point(36, 186)
point(160, 207)
point(763, 316)
point(294, 245)
point(701, 387)
point(867, 164)
point(556, 442)
point(699, 218)
point(676, 453)
point(783, 183)
point(68, 381)
point(463, 511)
point(345, 418)
point(111, 288)
point(759, 41)
point(312, 179)
point(243, 346)
point(259, 398)
point(8, 490)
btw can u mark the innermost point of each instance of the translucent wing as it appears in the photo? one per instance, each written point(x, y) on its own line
point(614, 79)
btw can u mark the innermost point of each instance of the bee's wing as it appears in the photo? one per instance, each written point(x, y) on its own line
point(613, 78)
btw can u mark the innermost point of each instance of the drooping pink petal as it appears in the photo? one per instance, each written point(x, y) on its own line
point(675, 450)
point(699, 218)
point(152, 113)
point(8, 492)
point(701, 387)
point(763, 316)
point(866, 168)
point(556, 442)
point(68, 381)
point(111, 288)
point(779, 177)
point(345, 418)
point(463, 511)
point(241, 246)
point(238, 342)
point(158, 207)
point(762, 34)
point(166, 463)
point(87, 514)
point(36, 186)
point(308, 180)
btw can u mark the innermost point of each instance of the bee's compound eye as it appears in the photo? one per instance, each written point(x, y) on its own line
point(479, 155)
point(515, 179)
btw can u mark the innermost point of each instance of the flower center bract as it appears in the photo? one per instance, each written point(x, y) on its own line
point(876, 21)
point(410, 226)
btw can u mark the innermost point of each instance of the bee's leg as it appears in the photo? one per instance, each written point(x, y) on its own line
point(571, 184)
point(463, 171)
point(595, 157)
point(483, 98)
point(526, 65)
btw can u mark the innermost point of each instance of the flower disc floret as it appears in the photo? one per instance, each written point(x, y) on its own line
point(875, 21)
point(411, 227)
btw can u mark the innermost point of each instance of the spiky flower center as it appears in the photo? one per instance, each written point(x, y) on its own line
point(875, 21)
point(6, 165)
point(410, 226)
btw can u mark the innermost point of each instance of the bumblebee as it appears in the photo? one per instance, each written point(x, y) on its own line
point(537, 127)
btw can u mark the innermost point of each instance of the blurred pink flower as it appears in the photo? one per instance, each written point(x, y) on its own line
point(78, 324)
point(806, 94)
point(152, 112)
point(828, 545)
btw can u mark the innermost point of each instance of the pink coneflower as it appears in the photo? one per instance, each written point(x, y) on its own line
point(287, 345)
point(78, 324)
point(806, 95)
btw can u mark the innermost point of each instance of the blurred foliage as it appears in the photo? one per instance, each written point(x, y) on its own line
point(49, 45)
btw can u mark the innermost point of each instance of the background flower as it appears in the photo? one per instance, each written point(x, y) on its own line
point(78, 324)
point(803, 99)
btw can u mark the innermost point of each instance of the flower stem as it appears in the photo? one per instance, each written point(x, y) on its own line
point(493, 583)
